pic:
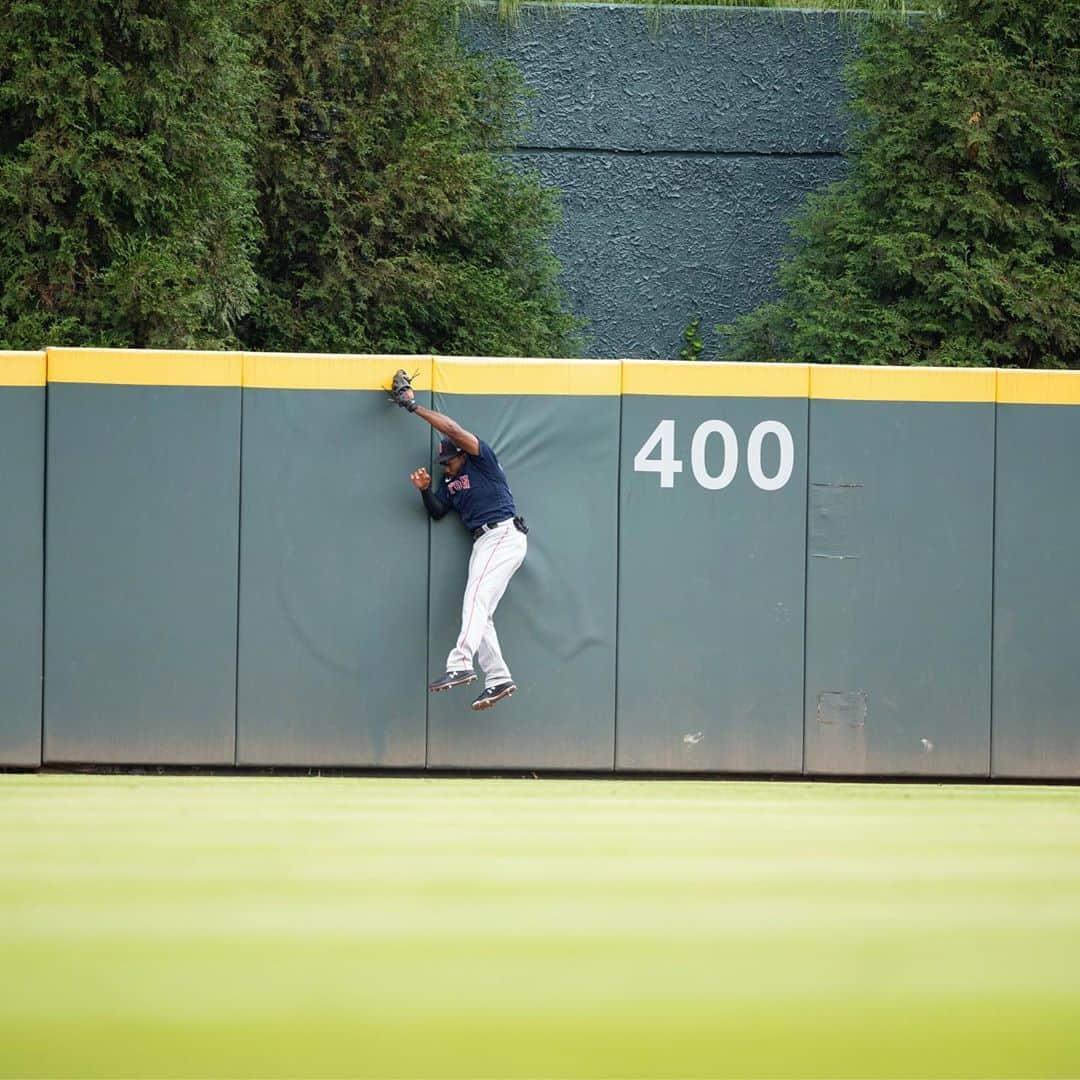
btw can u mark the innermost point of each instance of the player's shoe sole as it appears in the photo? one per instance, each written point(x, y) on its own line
point(493, 695)
point(452, 679)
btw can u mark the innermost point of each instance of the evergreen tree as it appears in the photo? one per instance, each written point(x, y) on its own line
point(954, 238)
point(391, 223)
point(126, 205)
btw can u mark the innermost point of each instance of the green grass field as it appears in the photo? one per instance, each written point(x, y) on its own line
point(258, 926)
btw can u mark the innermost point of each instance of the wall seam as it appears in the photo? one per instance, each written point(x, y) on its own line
point(618, 571)
point(427, 616)
point(44, 559)
point(993, 578)
point(239, 568)
point(673, 152)
point(806, 572)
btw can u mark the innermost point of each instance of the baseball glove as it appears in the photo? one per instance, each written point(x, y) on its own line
point(401, 391)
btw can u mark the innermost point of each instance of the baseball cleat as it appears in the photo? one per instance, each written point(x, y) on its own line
point(452, 678)
point(493, 694)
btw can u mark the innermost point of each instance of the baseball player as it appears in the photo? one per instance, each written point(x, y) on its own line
point(474, 485)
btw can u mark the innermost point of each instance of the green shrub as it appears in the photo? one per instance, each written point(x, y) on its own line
point(126, 208)
point(954, 238)
point(281, 174)
point(391, 222)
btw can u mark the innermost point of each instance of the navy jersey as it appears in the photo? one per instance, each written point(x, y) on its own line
point(480, 492)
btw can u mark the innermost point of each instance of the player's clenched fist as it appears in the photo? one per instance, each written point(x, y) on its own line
point(421, 479)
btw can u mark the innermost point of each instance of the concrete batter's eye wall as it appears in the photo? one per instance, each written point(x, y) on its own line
point(732, 568)
point(681, 142)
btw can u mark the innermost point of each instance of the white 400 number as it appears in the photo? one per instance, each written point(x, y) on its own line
point(667, 464)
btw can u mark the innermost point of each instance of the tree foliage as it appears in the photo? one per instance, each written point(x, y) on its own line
point(126, 207)
point(954, 237)
point(391, 222)
point(315, 175)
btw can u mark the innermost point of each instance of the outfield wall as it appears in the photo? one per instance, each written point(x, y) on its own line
point(771, 569)
point(333, 566)
point(143, 461)
point(22, 454)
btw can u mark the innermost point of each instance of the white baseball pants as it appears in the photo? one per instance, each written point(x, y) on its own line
point(495, 557)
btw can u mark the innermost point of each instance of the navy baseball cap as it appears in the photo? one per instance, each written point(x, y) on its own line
point(448, 450)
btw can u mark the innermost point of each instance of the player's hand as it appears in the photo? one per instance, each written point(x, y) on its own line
point(401, 392)
point(421, 479)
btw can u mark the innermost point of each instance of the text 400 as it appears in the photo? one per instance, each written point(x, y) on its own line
point(667, 464)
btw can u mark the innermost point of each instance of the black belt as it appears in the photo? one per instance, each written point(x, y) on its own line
point(477, 533)
point(519, 524)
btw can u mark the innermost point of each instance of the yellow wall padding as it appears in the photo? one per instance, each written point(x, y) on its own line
point(22, 368)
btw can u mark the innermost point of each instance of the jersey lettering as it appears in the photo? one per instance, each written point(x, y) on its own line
point(479, 493)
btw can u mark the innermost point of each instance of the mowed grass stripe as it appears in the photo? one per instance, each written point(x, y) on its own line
point(256, 926)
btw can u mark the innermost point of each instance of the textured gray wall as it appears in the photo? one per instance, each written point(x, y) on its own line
point(681, 145)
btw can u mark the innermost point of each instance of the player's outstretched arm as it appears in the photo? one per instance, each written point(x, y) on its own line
point(451, 429)
point(401, 393)
point(444, 425)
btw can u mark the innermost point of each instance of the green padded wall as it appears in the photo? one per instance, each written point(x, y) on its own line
point(141, 557)
point(711, 568)
point(1036, 724)
point(333, 570)
point(899, 572)
point(847, 571)
point(22, 483)
point(555, 429)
